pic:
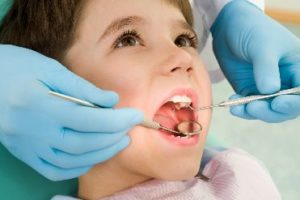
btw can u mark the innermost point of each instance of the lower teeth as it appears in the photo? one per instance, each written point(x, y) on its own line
point(180, 135)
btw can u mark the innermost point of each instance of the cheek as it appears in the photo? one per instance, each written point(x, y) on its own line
point(125, 78)
point(202, 81)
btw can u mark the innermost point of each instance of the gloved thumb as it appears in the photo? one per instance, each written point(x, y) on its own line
point(266, 72)
point(66, 82)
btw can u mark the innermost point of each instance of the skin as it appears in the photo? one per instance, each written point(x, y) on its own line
point(142, 70)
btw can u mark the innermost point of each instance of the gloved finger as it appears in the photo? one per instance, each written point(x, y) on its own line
point(69, 161)
point(296, 77)
point(55, 173)
point(73, 142)
point(287, 104)
point(289, 73)
point(85, 119)
point(266, 71)
point(33, 154)
point(262, 110)
point(66, 82)
point(239, 111)
point(27, 93)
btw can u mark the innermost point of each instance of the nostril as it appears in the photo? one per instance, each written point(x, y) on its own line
point(189, 69)
point(175, 69)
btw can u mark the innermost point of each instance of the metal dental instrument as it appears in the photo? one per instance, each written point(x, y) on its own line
point(182, 128)
point(248, 99)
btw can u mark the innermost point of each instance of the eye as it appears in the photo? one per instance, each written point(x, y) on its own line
point(128, 39)
point(187, 40)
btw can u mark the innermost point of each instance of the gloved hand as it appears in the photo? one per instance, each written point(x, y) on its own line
point(258, 56)
point(59, 139)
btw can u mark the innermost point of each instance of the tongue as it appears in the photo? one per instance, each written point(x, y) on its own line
point(169, 117)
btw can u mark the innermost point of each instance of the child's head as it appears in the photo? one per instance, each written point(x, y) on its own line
point(145, 50)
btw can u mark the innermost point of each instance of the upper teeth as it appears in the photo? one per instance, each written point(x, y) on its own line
point(181, 101)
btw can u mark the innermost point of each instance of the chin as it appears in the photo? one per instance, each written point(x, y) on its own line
point(180, 173)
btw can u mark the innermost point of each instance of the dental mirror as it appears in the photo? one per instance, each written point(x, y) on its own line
point(187, 128)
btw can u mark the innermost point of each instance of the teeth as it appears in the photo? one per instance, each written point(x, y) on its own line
point(181, 101)
point(180, 105)
point(178, 99)
point(185, 137)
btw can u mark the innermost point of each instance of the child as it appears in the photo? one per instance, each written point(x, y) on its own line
point(145, 50)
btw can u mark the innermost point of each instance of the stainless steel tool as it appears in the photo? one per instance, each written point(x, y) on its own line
point(248, 99)
point(182, 128)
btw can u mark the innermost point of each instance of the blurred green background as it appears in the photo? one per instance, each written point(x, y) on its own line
point(276, 145)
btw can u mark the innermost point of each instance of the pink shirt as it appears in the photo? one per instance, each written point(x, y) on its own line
point(233, 174)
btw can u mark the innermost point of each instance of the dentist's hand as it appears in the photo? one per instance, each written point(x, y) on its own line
point(258, 56)
point(59, 139)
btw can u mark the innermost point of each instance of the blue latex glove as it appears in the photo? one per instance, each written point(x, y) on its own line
point(258, 55)
point(59, 139)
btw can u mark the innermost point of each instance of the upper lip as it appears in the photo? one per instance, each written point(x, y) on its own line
point(189, 92)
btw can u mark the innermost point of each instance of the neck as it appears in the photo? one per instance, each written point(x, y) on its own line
point(107, 179)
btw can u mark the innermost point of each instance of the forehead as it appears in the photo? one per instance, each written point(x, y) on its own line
point(102, 12)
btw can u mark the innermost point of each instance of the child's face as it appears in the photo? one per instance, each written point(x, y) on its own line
point(146, 67)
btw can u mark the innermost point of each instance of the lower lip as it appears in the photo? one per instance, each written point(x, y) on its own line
point(193, 140)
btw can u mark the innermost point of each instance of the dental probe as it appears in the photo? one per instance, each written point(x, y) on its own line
point(248, 99)
point(146, 123)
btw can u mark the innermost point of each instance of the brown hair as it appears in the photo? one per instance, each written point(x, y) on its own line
point(185, 7)
point(48, 26)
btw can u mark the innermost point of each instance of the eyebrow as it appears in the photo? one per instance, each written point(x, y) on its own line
point(120, 23)
point(184, 25)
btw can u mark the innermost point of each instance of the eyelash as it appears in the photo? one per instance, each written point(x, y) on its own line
point(125, 34)
point(192, 38)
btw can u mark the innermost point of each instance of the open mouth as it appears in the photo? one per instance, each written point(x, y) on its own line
point(175, 111)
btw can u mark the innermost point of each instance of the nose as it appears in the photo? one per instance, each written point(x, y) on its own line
point(176, 60)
